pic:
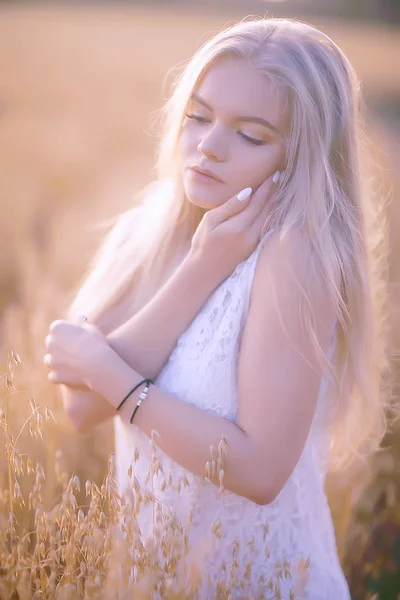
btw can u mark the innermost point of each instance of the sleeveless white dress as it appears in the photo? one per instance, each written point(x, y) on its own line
point(296, 527)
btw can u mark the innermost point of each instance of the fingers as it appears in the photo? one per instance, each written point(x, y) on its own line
point(64, 327)
point(258, 203)
point(255, 229)
point(59, 373)
point(64, 336)
point(231, 207)
point(47, 360)
point(241, 215)
point(52, 362)
point(53, 345)
point(65, 376)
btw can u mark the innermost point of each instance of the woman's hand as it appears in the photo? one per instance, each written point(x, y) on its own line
point(75, 352)
point(227, 235)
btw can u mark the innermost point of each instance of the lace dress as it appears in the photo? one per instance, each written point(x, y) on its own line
point(295, 530)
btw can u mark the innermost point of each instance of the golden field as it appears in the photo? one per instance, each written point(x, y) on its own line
point(78, 88)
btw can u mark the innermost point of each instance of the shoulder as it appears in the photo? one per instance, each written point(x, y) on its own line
point(287, 258)
point(286, 277)
point(286, 250)
point(280, 366)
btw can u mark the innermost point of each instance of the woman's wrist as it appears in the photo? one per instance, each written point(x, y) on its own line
point(202, 270)
point(113, 378)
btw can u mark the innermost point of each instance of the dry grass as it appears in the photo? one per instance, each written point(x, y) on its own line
point(96, 549)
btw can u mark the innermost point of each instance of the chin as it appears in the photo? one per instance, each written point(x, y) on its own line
point(206, 197)
point(206, 204)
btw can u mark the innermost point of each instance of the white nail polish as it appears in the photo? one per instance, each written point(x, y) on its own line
point(244, 194)
point(276, 176)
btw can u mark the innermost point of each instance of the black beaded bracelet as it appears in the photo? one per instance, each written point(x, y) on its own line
point(142, 396)
point(133, 390)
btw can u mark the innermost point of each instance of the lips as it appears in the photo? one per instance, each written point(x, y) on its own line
point(205, 172)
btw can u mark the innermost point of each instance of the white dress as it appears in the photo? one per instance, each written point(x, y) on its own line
point(297, 525)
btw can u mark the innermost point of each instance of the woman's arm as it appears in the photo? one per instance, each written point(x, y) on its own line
point(148, 338)
point(228, 233)
point(279, 377)
point(187, 431)
point(84, 406)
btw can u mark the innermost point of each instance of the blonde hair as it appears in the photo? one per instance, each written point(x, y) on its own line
point(326, 193)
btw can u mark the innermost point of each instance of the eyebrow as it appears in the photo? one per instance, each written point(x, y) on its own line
point(257, 120)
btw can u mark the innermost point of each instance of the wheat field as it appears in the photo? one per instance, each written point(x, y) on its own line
point(79, 87)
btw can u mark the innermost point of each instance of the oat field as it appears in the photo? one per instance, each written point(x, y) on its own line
point(78, 88)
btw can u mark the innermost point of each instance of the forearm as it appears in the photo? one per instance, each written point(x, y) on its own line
point(148, 338)
point(85, 406)
point(184, 432)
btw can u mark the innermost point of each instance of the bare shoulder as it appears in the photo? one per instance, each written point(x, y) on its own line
point(285, 270)
point(289, 253)
point(279, 371)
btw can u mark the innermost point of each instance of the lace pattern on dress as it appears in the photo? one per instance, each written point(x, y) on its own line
point(202, 370)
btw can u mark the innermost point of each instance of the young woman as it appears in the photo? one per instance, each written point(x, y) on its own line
point(246, 285)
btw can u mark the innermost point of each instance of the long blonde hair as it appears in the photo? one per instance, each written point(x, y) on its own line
point(326, 193)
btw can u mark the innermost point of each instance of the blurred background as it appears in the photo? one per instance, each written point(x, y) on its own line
point(79, 84)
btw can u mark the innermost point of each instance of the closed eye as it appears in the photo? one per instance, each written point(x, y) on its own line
point(245, 137)
point(251, 140)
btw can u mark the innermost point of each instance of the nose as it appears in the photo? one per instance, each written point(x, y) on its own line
point(212, 145)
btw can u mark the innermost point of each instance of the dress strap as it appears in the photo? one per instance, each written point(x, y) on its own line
point(251, 267)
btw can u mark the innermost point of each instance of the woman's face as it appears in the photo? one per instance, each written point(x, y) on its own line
point(234, 128)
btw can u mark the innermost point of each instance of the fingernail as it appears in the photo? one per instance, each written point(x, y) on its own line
point(276, 176)
point(244, 194)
